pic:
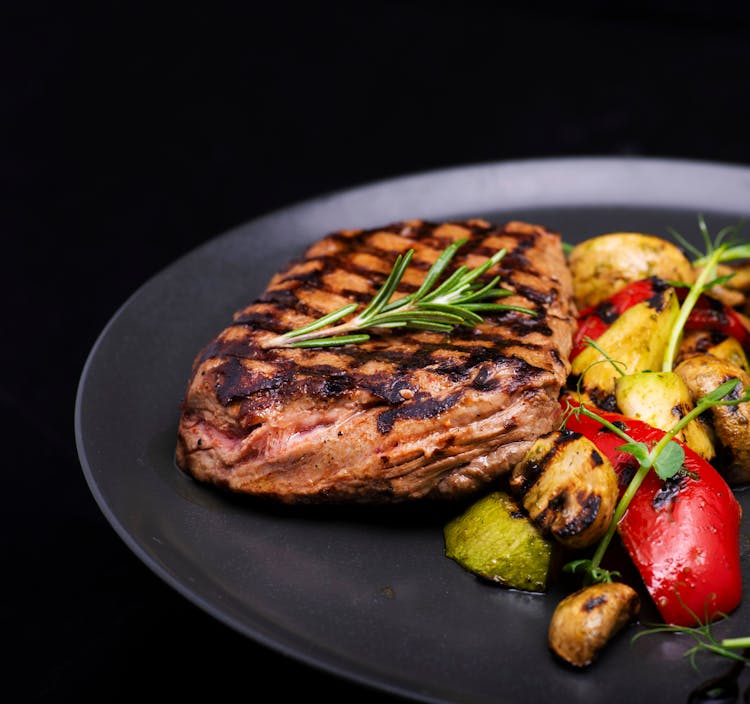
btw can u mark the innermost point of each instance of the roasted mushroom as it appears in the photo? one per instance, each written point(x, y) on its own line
point(733, 292)
point(568, 488)
point(717, 344)
point(727, 294)
point(585, 621)
point(704, 373)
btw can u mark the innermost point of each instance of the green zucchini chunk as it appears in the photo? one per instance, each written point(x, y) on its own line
point(495, 540)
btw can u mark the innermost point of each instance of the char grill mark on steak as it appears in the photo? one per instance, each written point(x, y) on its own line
point(404, 415)
point(423, 406)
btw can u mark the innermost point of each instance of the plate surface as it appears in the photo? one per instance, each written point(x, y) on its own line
point(367, 595)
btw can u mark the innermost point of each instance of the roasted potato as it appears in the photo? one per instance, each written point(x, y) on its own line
point(661, 399)
point(603, 265)
point(702, 374)
point(585, 621)
point(495, 540)
point(568, 488)
point(637, 339)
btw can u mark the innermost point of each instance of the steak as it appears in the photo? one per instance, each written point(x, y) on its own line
point(409, 413)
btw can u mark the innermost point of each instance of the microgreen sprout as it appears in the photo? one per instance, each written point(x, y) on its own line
point(733, 248)
point(665, 457)
point(702, 283)
point(704, 638)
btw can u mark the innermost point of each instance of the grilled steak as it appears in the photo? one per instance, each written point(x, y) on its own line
point(408, 414)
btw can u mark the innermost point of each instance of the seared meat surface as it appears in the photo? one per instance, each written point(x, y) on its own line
point(406, 415)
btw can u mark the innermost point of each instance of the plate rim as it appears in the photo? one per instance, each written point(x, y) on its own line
point(594, 163)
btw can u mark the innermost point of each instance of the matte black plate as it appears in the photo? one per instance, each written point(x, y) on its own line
point(368, 595)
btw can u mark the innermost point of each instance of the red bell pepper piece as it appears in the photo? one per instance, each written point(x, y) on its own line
point(708, 314)
point(682, 534)
point(592, 326)
point(625, 298)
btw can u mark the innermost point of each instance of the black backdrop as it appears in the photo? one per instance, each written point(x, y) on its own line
point(130, 133)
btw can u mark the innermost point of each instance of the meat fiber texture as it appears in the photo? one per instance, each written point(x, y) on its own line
point(404, 416)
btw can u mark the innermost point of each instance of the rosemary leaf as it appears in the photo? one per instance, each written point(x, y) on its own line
point(331, 341)
point(325, 320)
point(436, 307)
point(437, 268)
point(389, 286)
point(426, 315)
point(497, 306)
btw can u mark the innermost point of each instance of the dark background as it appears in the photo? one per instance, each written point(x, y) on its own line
point(130, 133)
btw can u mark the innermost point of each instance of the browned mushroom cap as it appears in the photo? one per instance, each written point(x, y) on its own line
point(567, 487)
point(715, 343)
point(740, 280)
point(585, 621)
point(704, 373)
point(731, 294)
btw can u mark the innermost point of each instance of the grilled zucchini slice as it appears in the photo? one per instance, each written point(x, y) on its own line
point(495, 540)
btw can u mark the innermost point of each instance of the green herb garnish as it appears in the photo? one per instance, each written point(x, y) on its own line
point(703, 283)
point(733, 249)
point(458, 300)
point(704, 640)
point(666, 458)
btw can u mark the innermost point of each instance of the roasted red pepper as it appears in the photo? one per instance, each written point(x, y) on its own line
point(682, 534)
point(625, 298)
point(708, 314)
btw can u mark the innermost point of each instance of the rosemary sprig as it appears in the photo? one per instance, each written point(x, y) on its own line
point(458, 300)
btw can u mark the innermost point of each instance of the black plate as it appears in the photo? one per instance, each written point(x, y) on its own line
point(368, 595)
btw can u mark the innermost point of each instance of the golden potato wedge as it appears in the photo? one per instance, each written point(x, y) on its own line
point(585, 621)
point(702, 374)
point(661, 399)
point(603, 265)
point(637, 340)
point(568, 488)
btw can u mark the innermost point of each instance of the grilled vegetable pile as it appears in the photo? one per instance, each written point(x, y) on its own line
point(654, 437)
